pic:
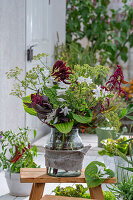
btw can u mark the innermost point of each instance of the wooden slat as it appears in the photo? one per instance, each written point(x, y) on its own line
point(37, 191)
point(96, 193)
point(52, 197)
point(38, 175)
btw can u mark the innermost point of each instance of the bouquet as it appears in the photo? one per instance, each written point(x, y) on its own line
point(66, 98)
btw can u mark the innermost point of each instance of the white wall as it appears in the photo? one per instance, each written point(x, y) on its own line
point(17, 33)
point(12, 53)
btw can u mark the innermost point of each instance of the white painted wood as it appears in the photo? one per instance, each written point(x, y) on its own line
point(12, 54)
point(22, 24)
point(43, 21)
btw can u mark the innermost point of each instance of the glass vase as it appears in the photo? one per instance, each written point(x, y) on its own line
point(61, 145)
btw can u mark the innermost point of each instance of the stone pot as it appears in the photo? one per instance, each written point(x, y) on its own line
point(16, 188)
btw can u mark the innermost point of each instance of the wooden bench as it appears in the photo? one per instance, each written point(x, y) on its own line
point(52, 197)
point(38, 176)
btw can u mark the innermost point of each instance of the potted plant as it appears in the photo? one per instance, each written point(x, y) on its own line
point(67, 99)
point(16, 153)
point(111, 155)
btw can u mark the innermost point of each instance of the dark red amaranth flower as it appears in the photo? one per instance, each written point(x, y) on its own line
point(36, 99)
point(116, 80)
point(61, 72)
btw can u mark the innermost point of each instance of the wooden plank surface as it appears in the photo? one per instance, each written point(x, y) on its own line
point(96, 193)
point(52, 197)
point(39, 175)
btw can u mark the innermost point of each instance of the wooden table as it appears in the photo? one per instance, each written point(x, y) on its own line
point(38, 176)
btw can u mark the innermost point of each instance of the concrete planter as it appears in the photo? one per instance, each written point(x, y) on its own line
point(16, 188)
point(114, 163)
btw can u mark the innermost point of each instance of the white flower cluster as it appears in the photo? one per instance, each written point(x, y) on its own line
point(99, 92)
point(65, 111)
point(52, 116)
point(82, 79)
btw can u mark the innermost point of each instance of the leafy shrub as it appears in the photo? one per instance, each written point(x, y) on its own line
point(124, 189)
point(111, 146)
point(16, 151)
point(80, 191)
point(107, 30)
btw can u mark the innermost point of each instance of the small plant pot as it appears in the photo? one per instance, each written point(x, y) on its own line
point(16, 188)
point(104, 133)
point(114, 163)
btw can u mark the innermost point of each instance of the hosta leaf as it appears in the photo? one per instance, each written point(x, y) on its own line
point(82, 119)
point(93, 174)
point(64, 127)
point(93, 182)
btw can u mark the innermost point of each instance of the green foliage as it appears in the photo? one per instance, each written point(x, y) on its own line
point(70, 191)
point(111, 146)
point(82, 119)
point(34, 78)
point(94, 176)
point(112, 120)
point(80, 191)
point(11, 143)
point(31, 111)
point(74, 54)
point(124, 189)
point(64, 127)
point(108, 33)
point(51, 94)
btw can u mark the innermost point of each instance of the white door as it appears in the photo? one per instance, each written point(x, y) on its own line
point(37, 35)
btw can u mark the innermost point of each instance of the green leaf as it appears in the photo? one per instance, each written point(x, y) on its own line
point(129, 108)
point(109, 172)
point(123, 113)
point(82, 119)
point(93, 175)
point(130, 117)
point(27, 99)
point(31, 111)
point(127, 168)
point(64, 127)
point(51, 94)
point(34, 133)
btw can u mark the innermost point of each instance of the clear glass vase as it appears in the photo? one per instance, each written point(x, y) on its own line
point(64, 143)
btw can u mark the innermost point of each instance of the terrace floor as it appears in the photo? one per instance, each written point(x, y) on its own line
point(91, 156)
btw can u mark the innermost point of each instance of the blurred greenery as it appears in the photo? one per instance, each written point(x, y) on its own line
point(108, 32)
